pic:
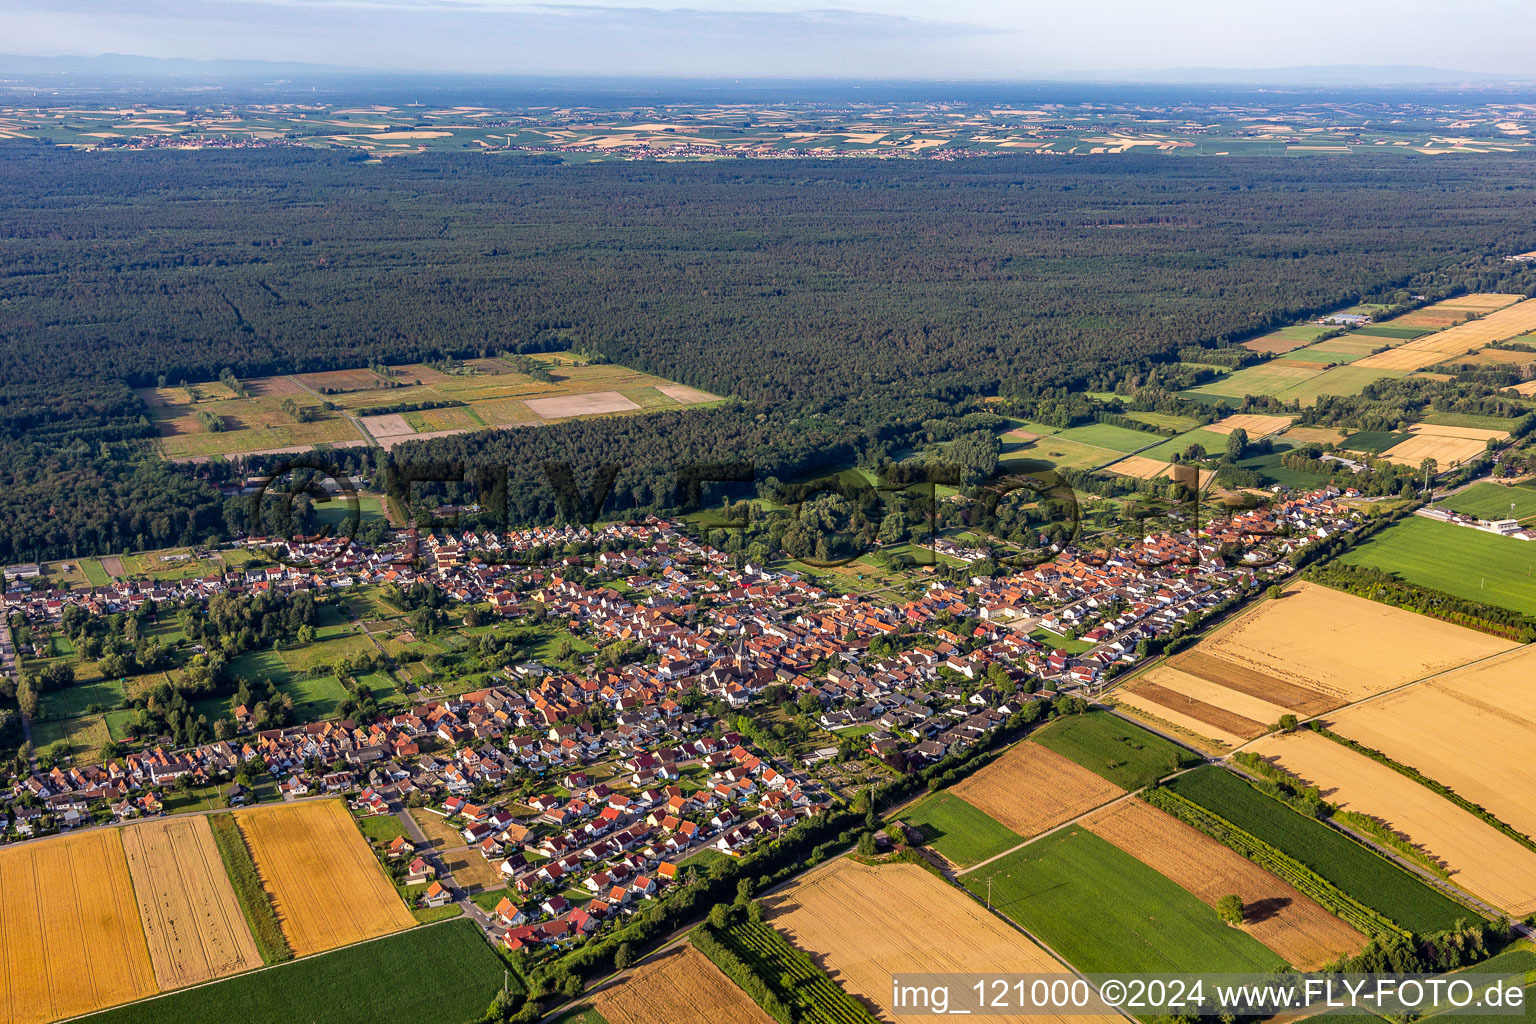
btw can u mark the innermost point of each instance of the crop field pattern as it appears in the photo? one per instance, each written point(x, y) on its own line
point(191, 919)
point(1343, 646)
point(1493, 324)
point(1031, 788)
point(70, 937)
point(960, 833)
point(1104, 910)
point(1304, 934)
point(325, 884)
point(679, 986)
point(1471, 730)
point(1464, 563)
point(1371, 879)
point(863, 924)
point(1481, 859)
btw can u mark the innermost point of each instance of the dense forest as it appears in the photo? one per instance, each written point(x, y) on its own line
point(844, 303)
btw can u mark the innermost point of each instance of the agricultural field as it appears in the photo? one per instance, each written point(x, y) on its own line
point(1164, 419)
point(1373, 442)
point(325, 884)
point(863, 923)
point(1493, 501)
point(1371, 879)
point(1297, 929)
point(1341, 646)
point(254, 424)
point(1287, 338)
point(191, 918)
point(443, 974)
point(1448, 446)
point(1141, 921)
point(1059, 789)
point(1104, 435)
point(1255, 424)
point(1125, 755)
point(1493, 324)
point(958, 832)
point(1168, 694)
point(1269, 378)
point(1213, 441)
point(678, 986)
point(1480, 858)
point(73, 941)
point(1053, 450)
point(1341, 380)
point(1455, 560)
point(1461, 730)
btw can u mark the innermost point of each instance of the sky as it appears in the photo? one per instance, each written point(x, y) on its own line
point(922, 39)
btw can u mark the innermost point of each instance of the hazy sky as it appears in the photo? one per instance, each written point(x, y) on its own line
point(823, 38)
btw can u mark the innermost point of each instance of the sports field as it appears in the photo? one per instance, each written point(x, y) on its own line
point(442, 974)
point(1482, 860)
point(70, 937)
point(1493, 501)
point(1059, 789)
point(1126, 755)
point(959, 832)
point(862, 924)
point(1468, 730)
point(1297, 929)
point(1456, 560)
point(1371, 879)
point(1343, 646)
point(680, 986)
point(191, 919)
point(326, 886)
point(1140, 920)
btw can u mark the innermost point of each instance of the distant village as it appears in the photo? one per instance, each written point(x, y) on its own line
point(914, 680)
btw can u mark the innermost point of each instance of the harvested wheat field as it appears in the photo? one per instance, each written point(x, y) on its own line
point(1319, 435)
point(1472, 730)
point(70, 938)
point(1266, 688)
point(1140, 467)
point(1481, 302)
point(680, 986)
point(1345, 646)
point(865, 923)
point(686, 395)
point(1498, 325)
point(1481, 859)
point(326, 886)
point(1031, 788)
point(191, 919)
point(1256, 425)
point(1292, 925)
point(1230, 711)
point(1449, 446)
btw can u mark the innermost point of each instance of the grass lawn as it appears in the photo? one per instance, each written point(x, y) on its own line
point(1211, 441)
point(1270, 467)
point(1105, 435)
point(1492, 501)
point(1164, 419)
point(963, 834)
point(337, 513)
point(1371, 879)
point(316, 698)
point(380, 828)
point(1058, 642)
point(1058, 451)
point(1321, 354)
point(1457, 560)
point(580, 1015)
point(1105, 911)
point(1125, 754)
point(76, 700)
point(94, 573)
point(447, 974)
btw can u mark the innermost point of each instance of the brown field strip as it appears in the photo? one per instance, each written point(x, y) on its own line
point(1059, 789)
point(70, 937)
point(863, 924)
point(1482, 860)
point(1292, 925)
point(190, 916)
point(1226, 674)
point(1228, 723)
point(1255, 709)
point(1446, 451)
point(680, 986)
point(1140, 467)
point(1472, 730)
point(1137, 703)
point(1345, 646)
point(326, 886)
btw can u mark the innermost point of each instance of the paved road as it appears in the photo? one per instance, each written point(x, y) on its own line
point(434, 857)
point(8, 668)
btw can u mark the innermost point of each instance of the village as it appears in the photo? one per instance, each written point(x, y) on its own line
point(588, 792)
